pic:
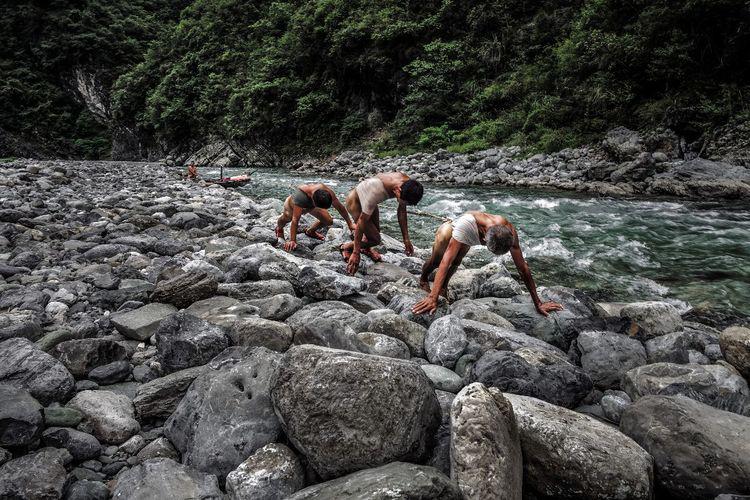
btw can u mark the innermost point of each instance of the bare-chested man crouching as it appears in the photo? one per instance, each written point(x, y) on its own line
point(313, 199)
point(362, 202)
point(452, 242)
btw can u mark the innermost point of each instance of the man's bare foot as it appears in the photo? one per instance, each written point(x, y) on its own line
point(280, 232)
point(345, 253)
point(373, 254)
point(425, 285)
point(315, 234)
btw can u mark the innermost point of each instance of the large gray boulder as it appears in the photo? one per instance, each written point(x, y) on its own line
point(165, 478)
point(383, 345)
point(445, 341)
point(386, 322)
point(606, 356)
point(653, 318)
point(277, 307)
point(486, 457)
point(259, 332)
point(40, 476)
point(80, 356)
point(331, 310)
point(108, 416)
point(142, 323)
point(735, 346)
point(226, 413)
point(394, 480)
point(23, 364)
point(185, 288)
point(21, 419)
point(531, 372)
point(159, 398)
point(715, 385)
point(487, 337)
point(323, 284)
point(468, 309)
point(570, 455)
point(271, 473)
point(699, 451)
point(183, 341)
point(318, 393)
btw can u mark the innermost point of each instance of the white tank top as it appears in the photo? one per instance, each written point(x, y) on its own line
point(465, 230)
point(371, 193)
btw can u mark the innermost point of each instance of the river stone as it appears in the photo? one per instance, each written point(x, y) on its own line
point(328, 309)
point(319, 392)
point(442, 378)
point(112, 373)
point(485, 455)
point(441, 452)
point(23, 364)
point(668, 348)
point(613, 403)
point(717, 387)
point(394, 480)
point(108, 416)
point(403, 304)
point(24, 299)
point(535, 373)
point(237, 383)
point(20, 324)
point(158, 448)
point(383, 345)
point(445, 341)
point(468, 309)
point(256, 289)
point(142, 323)
point(159, 397)
point(105, 251)
point(385, 322)
point(184, 289)
point(699, 451)
point(40, 476)
point(278, 307)
point(606, 356)
point(570, 455)
point(165, 478)
point(183, 341)
point(259, 332)
point(80, 445)
point(21, 418)
point(735, 346)
point(653, 318)
point(80, 356)
point(61, 416)
point(496, 286)
point(323, 284)
point(85, 489)
point(272, 473)
point(487, 337)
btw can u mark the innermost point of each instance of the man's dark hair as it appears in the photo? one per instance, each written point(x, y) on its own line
point(322, 198)
point(499, 239)
point(411, 192)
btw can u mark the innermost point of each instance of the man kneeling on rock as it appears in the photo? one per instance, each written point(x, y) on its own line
point(362, 202)
point(313, 199)
point(452, 242)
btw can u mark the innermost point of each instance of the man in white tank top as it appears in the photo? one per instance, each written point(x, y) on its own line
point(452, 242)
point(362, 203)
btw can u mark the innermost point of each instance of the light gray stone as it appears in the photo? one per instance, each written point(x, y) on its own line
point(654, 318)
point(445, 341)
point(165, 478)
point(606, 356)
point(271, 473)
point(108, 416)
point(142, 323)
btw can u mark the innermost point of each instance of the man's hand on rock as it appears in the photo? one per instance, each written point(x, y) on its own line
point(408, 248)
point(426, 305)
point(353, 264)
point(544, 308)
point(290, 245)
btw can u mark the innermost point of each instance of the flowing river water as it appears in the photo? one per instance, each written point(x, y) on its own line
point(690, 253)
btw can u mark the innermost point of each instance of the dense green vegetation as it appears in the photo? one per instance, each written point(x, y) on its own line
point(292, 76)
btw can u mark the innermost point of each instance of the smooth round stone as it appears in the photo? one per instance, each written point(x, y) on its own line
point(62, 417)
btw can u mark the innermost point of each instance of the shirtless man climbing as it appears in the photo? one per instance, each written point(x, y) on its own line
point(313, 199)
point(362, 202)
point(452, 242)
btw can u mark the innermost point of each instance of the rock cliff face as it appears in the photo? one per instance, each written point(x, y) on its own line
point(156, 342)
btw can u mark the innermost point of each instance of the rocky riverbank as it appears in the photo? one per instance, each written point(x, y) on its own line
point(156, 342)
point(625, 164)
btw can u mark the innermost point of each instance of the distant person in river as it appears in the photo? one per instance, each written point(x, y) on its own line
point(452, 242)
point(192, 172)
point(362, 202)
point(313, 199)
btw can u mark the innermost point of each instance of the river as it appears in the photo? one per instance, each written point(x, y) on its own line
point(685, 252)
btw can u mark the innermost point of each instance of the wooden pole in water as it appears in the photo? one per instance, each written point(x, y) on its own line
point(422, 213)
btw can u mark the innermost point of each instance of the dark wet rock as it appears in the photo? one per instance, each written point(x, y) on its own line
point(535, 373)
point(272, 472)
point(278, 307)
point(383, 345)
point(158, 448)
point(485, 454)
point(159, 397)
point(40, 476)
point(25, 324)
point(184, 289)
point(735, 346)
point(218, 441)
point(318, 391)
point(23, 364)
point(394, 480)
point(108, 416)
point(653, 318)
point(386, 322)
point(570, 455)
point(21, 419)
point(668, 348)
point(111, 300)
point(142, 323)
point(165, 478)
point(613, 403)
point(183, 341)
point(87, 490)
point(111, 373)
point(106, 251)
point(80, 445)
point(606, 356)
point(363, 302)
point(61, 416)
point(82, 355)
point(440, 457)
point(699, 451)
point(23, 299)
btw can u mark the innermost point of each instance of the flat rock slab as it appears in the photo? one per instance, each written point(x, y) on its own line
point(321, 394)
point(142, 323)
point(159, 397)
point(165, 478)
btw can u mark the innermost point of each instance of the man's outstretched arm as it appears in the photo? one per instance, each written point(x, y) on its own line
point(403, 223)
point(544, 308)
point(429, 303)
point(341, 209)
